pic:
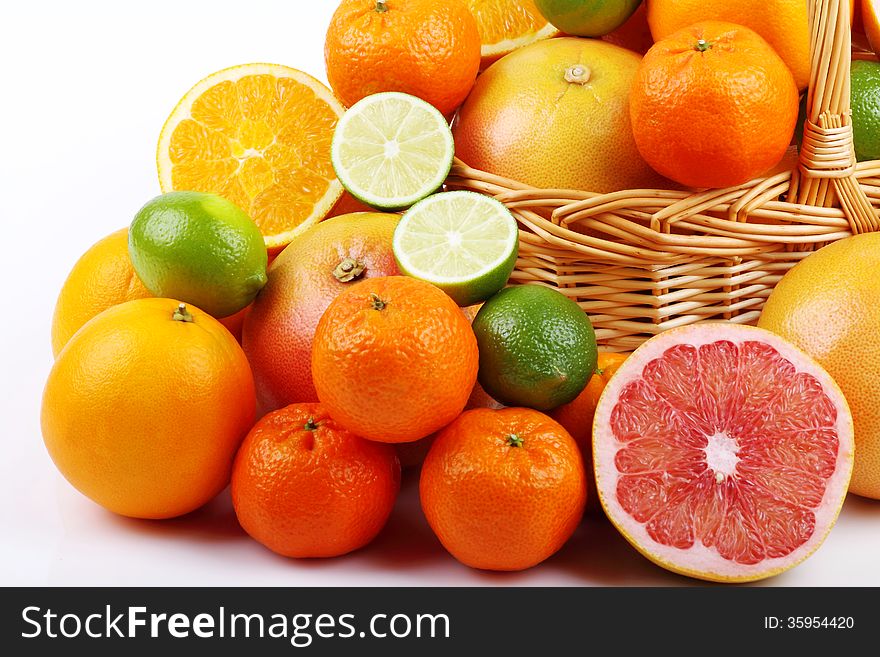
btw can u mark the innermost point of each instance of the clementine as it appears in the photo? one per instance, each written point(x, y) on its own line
point(394, 359)
point(503, 490)
point(145, 407)
point(783, 24)
point(700, 105)
point(421, 47)
point(304, 487)
point(303, 280)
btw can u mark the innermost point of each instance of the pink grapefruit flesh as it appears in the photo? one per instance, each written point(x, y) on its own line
point(722, 452)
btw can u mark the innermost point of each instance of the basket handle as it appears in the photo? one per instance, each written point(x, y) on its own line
point(827, 155)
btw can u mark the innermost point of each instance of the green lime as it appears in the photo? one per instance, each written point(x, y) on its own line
point(537, 347)
point(198, 248)
point(463, 242)
point(392, 149)
point(588, 18)
point(865, 78)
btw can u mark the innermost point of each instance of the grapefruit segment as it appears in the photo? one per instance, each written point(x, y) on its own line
point(722, 452)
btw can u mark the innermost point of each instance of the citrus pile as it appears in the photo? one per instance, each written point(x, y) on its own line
point(376, 322)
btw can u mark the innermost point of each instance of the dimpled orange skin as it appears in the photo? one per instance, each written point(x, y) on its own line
point(421, 47)
point(143, 413)
point(101, 278)
point(495, 506)
point(701, 118)
point(278, 333)
point(312, 492)
point(394, 359)
point(783, 23)
point(524, 121)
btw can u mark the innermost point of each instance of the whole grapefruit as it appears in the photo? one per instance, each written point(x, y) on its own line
point(555, 114)
point(828, 306)
point(303, 280)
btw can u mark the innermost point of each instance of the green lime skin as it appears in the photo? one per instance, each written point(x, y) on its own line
point(587, 18)
point(865, 78)
point(537, 347)
point(200, 249)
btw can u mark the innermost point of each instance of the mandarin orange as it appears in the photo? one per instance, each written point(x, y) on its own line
point(503, 490)
point(394, 359)
point(421, 47)
point(304, 487)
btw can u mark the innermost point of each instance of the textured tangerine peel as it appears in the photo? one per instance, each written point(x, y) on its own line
point(682, 465)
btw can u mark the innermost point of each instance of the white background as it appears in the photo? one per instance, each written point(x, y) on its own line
point(84, 91)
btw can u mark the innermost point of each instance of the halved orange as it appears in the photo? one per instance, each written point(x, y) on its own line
point(258, 135)
point(506, 25)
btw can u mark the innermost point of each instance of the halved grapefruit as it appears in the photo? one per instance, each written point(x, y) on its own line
point(722, 452)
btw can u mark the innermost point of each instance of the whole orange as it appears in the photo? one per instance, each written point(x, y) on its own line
point(145, 407)
point(101, 278)
point(503, 490)
point(783, 23)
point(304, 487)
point(316, 266)
point(394, 359)
point(421, 47)
point(555, 114)
point(701, 103)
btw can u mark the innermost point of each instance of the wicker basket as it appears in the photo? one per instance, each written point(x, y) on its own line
point(652, 260)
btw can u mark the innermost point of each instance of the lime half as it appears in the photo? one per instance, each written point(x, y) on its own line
point(463, 242)
point(391, 150)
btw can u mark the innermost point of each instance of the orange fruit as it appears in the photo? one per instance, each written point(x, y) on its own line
point(701, 96)
point(304, 487)
point(827, 305)
point(101, 278)
point(722, 452)
point(784, 24)
point(506, 25)
point(555, 115)
point(503, 490)
point(381, 359)
point(259, 135)
point(421, 47)
point(870, 14)
point(576, 417)
point(303, 280)
point(145, 407)
point(635, 34)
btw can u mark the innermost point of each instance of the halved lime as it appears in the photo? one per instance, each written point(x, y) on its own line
point(463, 242)
point(391, 150)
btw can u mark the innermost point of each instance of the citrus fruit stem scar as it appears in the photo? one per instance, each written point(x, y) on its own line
point(378, 304)
point(181, 314)
point(348, 270)
point(381, 7)
point(514, 441)
point(702, 45)
point(310, 425)
point(578, 74)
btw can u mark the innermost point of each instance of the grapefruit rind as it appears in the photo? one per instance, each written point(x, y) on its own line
point(183, 111)
point(699, 561)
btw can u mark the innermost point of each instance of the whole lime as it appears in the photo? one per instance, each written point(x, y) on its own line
point(198, 248)
point(865, 78)
point(537, 347)
point(588, 18)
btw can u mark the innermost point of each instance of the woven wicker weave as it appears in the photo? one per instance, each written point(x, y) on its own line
point(643, 261)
